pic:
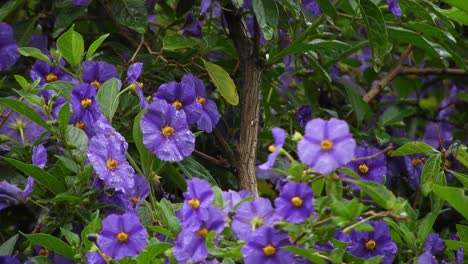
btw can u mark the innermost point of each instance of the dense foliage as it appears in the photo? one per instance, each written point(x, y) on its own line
point(255, 131)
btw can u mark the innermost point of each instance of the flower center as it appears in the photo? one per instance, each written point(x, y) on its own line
point(296, 201)
point(168, 131)
point(122, 237)
point(80, 125)
point(112, 164)
point(370, 245)
point(363, 168)
point(201, 100)
point(51, 77)
point(135, 199)
point(269, 250)
point(85, 103)
point(96, 84)
point(141, 84)
point(202, 232)
point(326, 144)
point(271, 148)
point(256, 222)
point(195, 203)
point(43, 252)
point(416, 161)
point(177, 104)
point(390, 152)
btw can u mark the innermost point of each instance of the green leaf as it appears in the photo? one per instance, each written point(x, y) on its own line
point(229, 252)
point(7, 248)
point(52, 243)
point(360, 107)
point(25, 110)
point(454, 245)
point(462, 157)
point(396, 113)
point(430, 173)
point(462, 232)
point(107, 96)
point(379, 193)
point(9, 7)
point(327, 7)
point(78, 139)
point(316, 66)
point(152, 251)
point(174, 41)
point(35, 53)
point(266, 12)
point(62, 88)
point(413, 148)
point(425, 225)
point(463, 178)
point(462, 5)
point(223, 82)
point(93, 227)
point(71, 46)
point(376, 31)
point(41, 260)
point(192, 169)
point(95, 45)
point(456, 14)
point(305, 253)
point(22, 82)
point(454, 196)
point(64, 117)
point(398, 34)
point(65, 17)
point(131, 13)
point(317, 45)
point(72, 238)
point(40, 175)
point(64, 197)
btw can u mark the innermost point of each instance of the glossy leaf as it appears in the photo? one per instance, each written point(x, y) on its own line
point(430, 173)
point(192, 169)
point(266, 13)
point(454, 196)
point(379, 193)
point(35, 53)
point(24, 110)
point(52, 243)
point(152, 251)
point(107, 96)
point(71, 46)
point(7, 248)
point(8, 7)
point(95, 45)
point(223, 82)
point(131, 13)
point(413, 148)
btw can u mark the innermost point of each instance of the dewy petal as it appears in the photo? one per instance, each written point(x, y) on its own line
point(39, 157)
point(134, 72)
point(168, 151)
point(185, 141)
point(167, 91)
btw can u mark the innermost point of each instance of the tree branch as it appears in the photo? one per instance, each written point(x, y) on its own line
point(431, 71)
point(250, 70)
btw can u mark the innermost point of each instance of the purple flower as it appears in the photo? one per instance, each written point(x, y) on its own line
point(371, 169)
point(427, 258)
point(52, 104)
point(264, 246)
point(95, 258)
point(81, 2)
point(9, 260)
point(39, 41)
point(460, 257)
point(8, 48)
point(434, 130)
point(205, 4)
point(39, 157)
point(198, 197)
point(12, 195)
point(192, 26)
point(47, 73)
point(368, 244)
point(209, 115)
point(414, 165)
point(190, 245)
point(20, 129)
point(107, 155)
point(252, 215)
point(138, 193)
point(279, 136)
point(394, 7)
point(165, 132)
point(313, 7)
point(294, 203)
point(304, 115)
point(122, 236)
point(85, 108)
point(232, 198)
point(133, 73)
point(97, 72)
point(183, 97)
point(326, 145)
point(434, 244)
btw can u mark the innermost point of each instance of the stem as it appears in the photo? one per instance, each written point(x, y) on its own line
point(432, 71)
point(375, 155)
point(134, 165)
point(142, 40)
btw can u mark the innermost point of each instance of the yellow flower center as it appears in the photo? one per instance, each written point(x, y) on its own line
point(112, 164)
point(51, 77)
point(363, 168)
point(271, 148)
point(201, 100)
point(416, 161)
point(297, 201)
point(195, 203)
point(202, 232)
point(168, 131)
point(85, 103)
point(44, 252)
point(370, 245)
point(269, 250)
point(122, 237)
point(141, 84)
point(80, 125)
point(326, 144)
point(390, 152)
point(135, 199)
point(177, 104)
point(96, 84)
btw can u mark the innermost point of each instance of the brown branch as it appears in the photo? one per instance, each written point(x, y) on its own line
point(250, 70)
point(431, 71)
point(375, 155)
point(394, 71)
point(220, 163)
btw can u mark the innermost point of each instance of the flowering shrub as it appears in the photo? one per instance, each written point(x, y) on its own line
point(233, 132)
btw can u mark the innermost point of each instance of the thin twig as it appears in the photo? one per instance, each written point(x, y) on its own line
point(221, 163)
point(431, 71)
point(394, 71)
point(142, 40)
point(375, 155)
